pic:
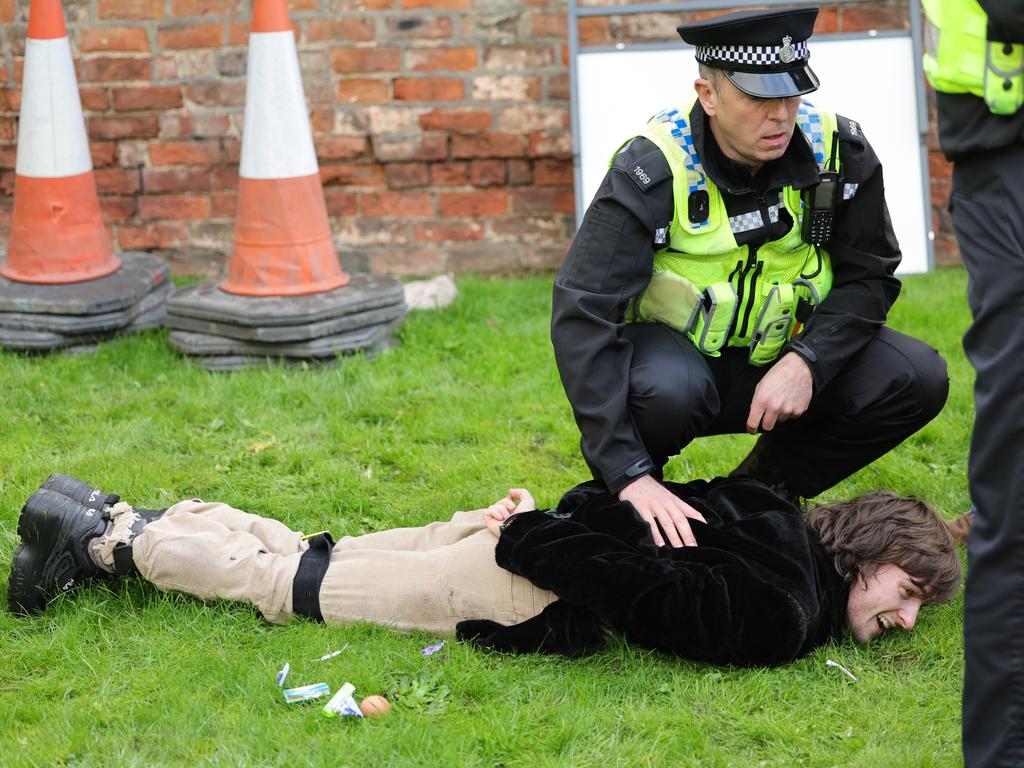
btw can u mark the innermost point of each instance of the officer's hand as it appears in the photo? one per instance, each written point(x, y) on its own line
point(659, 507)
point(784, 393)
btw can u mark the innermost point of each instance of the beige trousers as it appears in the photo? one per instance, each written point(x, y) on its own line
point(408, 578)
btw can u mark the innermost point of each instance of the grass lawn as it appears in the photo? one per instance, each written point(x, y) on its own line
point(468, 404)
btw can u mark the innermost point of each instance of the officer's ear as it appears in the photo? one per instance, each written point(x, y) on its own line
point(707, 94)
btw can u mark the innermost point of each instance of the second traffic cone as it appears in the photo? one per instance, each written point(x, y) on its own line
point(283, 244)
point(57, 232)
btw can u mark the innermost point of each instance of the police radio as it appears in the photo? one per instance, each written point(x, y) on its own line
point(820, 202)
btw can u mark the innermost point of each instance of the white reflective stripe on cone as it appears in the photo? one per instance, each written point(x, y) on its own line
point(277, 142)
point(51, 130)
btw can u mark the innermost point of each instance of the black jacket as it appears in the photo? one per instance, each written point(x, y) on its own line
point(757, 590)
point(612, 259)
point(966, 126)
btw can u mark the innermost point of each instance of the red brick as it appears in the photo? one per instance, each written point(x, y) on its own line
point(481, 202)
point(150, 236)
point(447, 230)
point(129, 99)
point(113, 39)
point(353, 174)
point(175, 207)
point(225, 177)
point(9, 156)
point(827, 22)
point(457, 120)
point(303, 5)
point(867, 17)
point(558, 87)
point(391, 148)
point(594, 31)
point(176, 179)
point(123, 127)
point(420, 27)
point(432, 4)
point(552, 173)
point(519, 57)
point(109, 68)
point(182, 8)
point(519, 172)
point(489, 145)
point(407, 175)
point(6, 11)
point(197, 126)
point(216, 94)
point(938, 166)
point(549, 144)
point(117, 209)
point(450, 59)
point(342, 147)
point(322, 119)
point(449, 174)
point(103, 152)
point(506, 88)
point(535, 200)
point(344, 6)
point(355, 90)
point(184, 152)
point(407, 261)
point(548, 24)
point(223, 205)
point(95, 99)
point(116, 181)
point(190, 36)
point(130, 9)
point(429, 89)
point(238, 33)
point(6, 129)
point(10, 98)
point(232, 150)
point(340, 202)
point(366, 59)
point(358, 29)
point(396, 204)
point(487, 173)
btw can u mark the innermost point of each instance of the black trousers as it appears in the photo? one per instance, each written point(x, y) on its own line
point(988, 214)
point(887, 391)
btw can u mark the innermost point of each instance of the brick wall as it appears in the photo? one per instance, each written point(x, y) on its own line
point(441, 126)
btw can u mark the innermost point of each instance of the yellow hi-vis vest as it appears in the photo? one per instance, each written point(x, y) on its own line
point(718, 292)
point(959, 57)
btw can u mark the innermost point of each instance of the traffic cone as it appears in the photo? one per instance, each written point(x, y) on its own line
point(57, 232)
point(283, 244)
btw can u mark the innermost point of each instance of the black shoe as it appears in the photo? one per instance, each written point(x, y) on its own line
point(53, 556)
point(81, 492)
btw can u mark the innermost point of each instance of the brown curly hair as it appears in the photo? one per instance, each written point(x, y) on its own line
point(881, 528)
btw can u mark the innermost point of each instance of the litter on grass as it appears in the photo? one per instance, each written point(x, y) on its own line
point(342, 704)
point(306, 692)
point(332, 654)
point(430, 650)
point(841, 668)
point(283, 674)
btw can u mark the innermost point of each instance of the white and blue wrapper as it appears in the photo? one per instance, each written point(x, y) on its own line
point(342, 704)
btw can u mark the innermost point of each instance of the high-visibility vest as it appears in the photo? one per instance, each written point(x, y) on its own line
point(720, 293)
point(959, 57)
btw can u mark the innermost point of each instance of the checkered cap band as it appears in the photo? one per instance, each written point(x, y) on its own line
point(751, 55)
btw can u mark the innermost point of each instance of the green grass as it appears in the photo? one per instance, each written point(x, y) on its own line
point(467, 405)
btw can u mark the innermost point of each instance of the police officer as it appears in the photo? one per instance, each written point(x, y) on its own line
point(975, 59)
point(733, 273)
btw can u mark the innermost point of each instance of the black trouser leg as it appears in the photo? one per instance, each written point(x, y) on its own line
point(890, 389)
point(672, 393)
point(988, 214)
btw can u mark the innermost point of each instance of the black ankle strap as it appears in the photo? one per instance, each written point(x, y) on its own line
point(306, 584)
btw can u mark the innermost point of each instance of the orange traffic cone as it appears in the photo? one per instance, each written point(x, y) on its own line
point(283, 243)
point(57, 233)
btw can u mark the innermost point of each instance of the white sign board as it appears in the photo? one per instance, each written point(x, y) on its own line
point(870, 80)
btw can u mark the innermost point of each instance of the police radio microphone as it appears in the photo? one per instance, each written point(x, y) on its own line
point(820, 202)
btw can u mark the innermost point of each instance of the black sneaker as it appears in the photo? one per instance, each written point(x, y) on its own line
point(53, 556)
point(81, 492)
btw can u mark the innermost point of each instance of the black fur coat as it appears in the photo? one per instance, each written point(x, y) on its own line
point(757, 590)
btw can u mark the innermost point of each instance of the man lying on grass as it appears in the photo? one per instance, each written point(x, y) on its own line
point(764, 585)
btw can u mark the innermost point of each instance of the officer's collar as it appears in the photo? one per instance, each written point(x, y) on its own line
point(796, 168)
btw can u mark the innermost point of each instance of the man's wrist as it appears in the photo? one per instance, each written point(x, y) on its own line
point(629, 475)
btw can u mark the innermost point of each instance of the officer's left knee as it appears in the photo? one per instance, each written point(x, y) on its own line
point(926, 377)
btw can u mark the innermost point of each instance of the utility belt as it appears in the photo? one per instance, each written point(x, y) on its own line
point(708, 316)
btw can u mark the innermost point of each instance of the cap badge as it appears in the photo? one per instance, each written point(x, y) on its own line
point(787, 52)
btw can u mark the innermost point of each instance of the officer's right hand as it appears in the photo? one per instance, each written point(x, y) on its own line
point(663, 511)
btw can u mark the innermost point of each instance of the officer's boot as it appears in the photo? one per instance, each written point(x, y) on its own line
point(760, 465)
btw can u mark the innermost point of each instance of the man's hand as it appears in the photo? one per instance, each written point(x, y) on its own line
point(518, 500)
point(658, 506)
point(784, 393)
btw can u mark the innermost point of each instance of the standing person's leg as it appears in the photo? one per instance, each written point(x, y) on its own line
point(888, 390)
point(988, 214)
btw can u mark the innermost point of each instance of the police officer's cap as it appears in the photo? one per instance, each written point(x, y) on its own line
point(763, 53)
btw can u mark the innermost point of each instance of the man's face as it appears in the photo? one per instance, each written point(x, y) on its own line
point(881, 600)
point(749, 130)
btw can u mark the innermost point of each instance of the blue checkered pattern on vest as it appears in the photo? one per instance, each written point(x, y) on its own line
point(809, 120)
point(680, 130)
